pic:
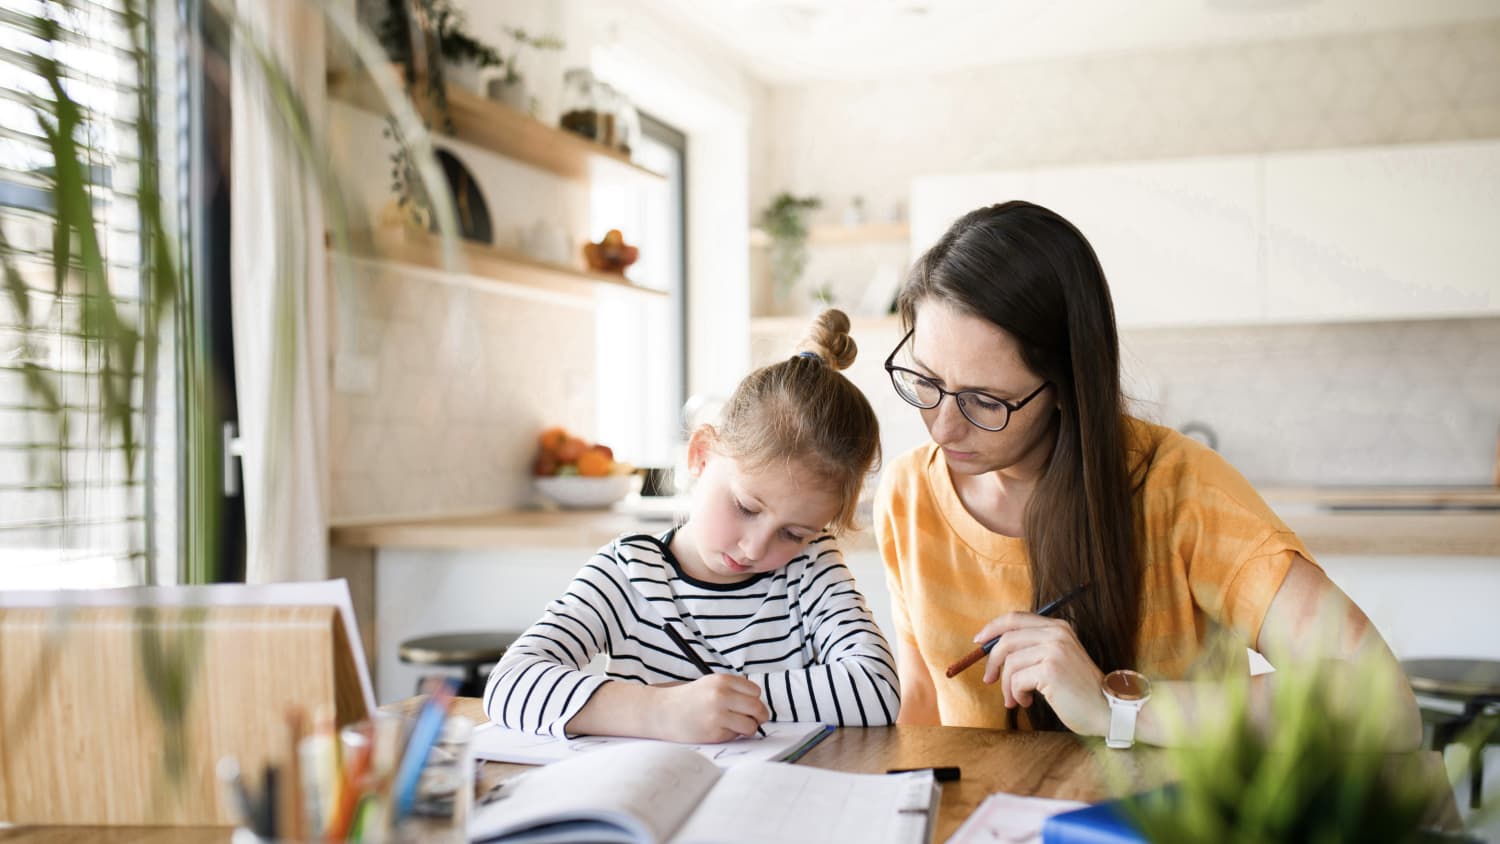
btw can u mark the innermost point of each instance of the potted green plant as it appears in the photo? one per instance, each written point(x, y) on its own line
point(1318, 769)
point(432, 32)
point(511, 88)
point(785, 223)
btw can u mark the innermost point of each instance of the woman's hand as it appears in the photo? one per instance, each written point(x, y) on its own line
point(710, 709)
point(1037, 654)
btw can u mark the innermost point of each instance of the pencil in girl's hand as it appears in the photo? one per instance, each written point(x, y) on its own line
point(692, 656)
point(983, 650)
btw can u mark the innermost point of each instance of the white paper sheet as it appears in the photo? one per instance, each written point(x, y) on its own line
point(494, 742)
point(1010, 819)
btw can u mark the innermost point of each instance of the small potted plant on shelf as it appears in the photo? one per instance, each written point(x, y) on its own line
point(431, 33)
point(511, 88)
point(785, 222)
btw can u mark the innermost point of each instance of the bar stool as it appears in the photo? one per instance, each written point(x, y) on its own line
point(473, 652)
point(1473, 683)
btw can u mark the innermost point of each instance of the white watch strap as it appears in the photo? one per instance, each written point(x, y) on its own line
point(1121, 725)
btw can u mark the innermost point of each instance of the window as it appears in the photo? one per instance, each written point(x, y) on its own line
point(70, 512)
point(642, 374)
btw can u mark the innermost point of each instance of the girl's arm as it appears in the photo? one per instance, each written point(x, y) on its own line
point(853, 681)
point(539, 684)
point(540, 687)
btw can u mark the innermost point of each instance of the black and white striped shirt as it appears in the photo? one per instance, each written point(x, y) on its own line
point(802, 633)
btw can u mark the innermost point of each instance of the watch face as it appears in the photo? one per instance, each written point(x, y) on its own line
point(1127, 685)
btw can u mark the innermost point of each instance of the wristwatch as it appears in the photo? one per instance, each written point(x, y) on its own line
point(1127, 691)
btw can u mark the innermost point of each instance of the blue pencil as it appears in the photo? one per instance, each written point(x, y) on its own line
point(423, 736)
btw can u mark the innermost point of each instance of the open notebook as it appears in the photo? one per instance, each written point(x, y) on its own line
point(656, 793)
point(785, 741)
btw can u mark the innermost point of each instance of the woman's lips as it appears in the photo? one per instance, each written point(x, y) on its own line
point(954, 454)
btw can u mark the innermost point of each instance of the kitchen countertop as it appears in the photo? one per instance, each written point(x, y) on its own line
point(1356, 521)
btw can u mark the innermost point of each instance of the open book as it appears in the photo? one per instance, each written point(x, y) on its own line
point(653, 793)
point(784, 741)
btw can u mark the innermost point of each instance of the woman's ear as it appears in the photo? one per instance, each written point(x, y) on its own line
point(700, 446)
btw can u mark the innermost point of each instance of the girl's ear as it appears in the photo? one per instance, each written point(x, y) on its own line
point(700, 445)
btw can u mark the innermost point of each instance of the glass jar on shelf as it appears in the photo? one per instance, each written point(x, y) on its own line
point(581, 106)
point(627, 126)
point(609, 105)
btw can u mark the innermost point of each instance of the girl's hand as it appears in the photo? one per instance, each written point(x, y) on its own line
point(1040, 654)
point(714, 708)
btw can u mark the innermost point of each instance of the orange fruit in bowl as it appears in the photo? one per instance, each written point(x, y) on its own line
point(550, 439)
point(571, 449)
point(595, 463)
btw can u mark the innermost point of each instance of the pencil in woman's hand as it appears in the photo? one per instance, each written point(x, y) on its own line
point(983, 650)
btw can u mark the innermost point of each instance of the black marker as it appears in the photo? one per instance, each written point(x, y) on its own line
point(945, 773)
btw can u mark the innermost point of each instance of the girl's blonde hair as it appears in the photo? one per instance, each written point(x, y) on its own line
point(801, 409)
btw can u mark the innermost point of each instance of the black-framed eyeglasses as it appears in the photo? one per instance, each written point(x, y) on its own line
point(981, 409)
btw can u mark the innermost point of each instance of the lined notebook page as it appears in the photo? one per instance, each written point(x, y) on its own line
point(796, 804)
point(647, 789)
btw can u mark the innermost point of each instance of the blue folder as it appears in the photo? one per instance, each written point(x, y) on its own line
point(1101, 823)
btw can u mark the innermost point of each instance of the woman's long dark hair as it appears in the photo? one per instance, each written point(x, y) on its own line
point(1030, 272)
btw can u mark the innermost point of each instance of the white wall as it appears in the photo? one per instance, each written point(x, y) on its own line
point(873, 137)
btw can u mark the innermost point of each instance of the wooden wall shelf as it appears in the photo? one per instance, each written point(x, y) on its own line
point(508, 132)
point(834, 234)
point(425, 251)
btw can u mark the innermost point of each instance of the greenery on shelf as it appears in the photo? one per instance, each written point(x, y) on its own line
point(521, 40)
point(420, 36)
point(785, 222)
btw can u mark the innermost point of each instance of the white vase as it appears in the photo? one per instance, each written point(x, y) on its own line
point(514, 94)
point(464, 74)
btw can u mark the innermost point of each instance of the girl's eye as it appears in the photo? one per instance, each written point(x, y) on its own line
point(793, 537)
point(742, 508)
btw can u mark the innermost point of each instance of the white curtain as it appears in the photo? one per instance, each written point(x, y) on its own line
point(280, 299)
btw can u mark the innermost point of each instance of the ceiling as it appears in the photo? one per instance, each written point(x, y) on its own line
point(790, 41)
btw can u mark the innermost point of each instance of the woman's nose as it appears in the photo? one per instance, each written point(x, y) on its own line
point(946, 423)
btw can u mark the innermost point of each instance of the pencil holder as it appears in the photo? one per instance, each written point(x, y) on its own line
point(445, 792)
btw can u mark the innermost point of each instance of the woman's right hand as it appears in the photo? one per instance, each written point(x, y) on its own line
point(711, 709)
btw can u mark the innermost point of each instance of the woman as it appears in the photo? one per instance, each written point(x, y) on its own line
point(1037, 482)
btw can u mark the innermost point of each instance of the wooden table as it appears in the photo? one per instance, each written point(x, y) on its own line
point(1039, 764)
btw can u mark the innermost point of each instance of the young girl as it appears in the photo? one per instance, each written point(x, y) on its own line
point(753, 583)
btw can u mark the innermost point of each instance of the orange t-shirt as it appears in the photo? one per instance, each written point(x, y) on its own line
point(1215, 555)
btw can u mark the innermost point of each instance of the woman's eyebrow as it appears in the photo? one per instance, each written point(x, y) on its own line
point(986, 390)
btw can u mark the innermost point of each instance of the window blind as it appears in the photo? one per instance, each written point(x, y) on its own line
point(72, 513)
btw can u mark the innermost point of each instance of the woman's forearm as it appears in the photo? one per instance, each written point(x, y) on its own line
point(1180, 710)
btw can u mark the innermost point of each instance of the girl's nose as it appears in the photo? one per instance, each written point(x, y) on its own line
point(753, 545)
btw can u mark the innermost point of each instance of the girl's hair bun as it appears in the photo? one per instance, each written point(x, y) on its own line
point(828, 338)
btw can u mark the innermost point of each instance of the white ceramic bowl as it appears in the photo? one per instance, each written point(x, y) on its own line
point(575, 492)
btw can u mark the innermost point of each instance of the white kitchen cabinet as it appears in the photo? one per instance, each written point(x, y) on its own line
point(1177, 239)
point(936, 201)
point(1383, 233)
point(1369, 233)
